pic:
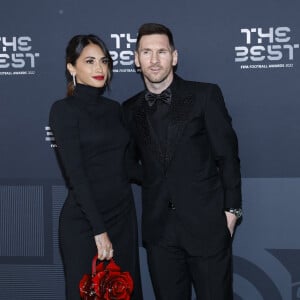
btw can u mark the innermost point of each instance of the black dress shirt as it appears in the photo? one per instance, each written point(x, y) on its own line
point(159, 119)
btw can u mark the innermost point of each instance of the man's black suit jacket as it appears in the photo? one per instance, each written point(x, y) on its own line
point(200, 169)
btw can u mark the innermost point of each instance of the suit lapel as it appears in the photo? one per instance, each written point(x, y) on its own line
point(179, 115)
point(181, 105)
point(144, 129)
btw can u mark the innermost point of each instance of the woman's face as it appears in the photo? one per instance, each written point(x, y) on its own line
point(91, 67)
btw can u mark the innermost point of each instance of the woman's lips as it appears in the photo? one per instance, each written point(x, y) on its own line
point(99, 77)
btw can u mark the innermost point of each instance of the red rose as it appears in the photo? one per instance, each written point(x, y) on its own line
point(106, 283)
point(87, 289)
point(112, 284)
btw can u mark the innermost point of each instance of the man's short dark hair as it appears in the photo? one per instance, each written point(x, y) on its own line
point(154, 28)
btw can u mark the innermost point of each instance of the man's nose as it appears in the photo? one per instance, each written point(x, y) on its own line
point(154, 57)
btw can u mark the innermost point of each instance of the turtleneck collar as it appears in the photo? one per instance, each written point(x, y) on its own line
point(88, 93)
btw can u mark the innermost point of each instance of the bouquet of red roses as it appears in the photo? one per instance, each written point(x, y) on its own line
point(107, 282)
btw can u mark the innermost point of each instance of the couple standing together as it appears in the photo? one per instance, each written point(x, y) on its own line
point(175, 138)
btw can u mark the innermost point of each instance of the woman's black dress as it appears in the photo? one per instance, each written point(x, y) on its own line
point(91, 143)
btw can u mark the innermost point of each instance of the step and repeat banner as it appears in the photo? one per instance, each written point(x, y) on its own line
point(250, 48)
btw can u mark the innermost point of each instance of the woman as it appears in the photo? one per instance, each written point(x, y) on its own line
point(98, 215)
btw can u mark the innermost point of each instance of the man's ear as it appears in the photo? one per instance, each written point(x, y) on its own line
point(175, 58)
point(136, 59)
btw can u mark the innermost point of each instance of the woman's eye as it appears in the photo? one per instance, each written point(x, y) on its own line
point(90, 61)
point(105, 61)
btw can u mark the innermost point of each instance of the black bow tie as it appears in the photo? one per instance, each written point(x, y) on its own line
point(165, 96)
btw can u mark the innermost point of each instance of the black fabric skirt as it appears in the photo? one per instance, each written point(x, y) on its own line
point(78, 247)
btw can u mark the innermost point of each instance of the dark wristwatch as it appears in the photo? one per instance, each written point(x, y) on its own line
point(236, 211)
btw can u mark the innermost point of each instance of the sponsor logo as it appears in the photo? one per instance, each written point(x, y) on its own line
point(263, 283)
point(17, 56)
point(122, 52)
point(266, 48)
point(50, 137)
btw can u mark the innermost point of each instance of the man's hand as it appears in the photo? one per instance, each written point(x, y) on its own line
point(231, 221)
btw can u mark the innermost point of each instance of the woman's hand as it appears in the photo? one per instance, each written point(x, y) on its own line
point(104, 246)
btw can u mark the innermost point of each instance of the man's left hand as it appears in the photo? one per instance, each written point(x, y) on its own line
point(231, 221)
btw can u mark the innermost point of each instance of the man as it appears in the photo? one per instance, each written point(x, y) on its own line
point(191, 187)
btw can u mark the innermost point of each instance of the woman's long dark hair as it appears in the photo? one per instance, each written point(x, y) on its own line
point(74, 50)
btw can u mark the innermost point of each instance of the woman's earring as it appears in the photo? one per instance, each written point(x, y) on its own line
point(74, 79)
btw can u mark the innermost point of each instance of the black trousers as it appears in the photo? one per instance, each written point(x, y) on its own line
point(174, 269)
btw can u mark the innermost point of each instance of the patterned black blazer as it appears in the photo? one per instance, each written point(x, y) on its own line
point(200, 169)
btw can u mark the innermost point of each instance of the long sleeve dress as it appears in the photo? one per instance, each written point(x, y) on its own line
point(91, 145)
